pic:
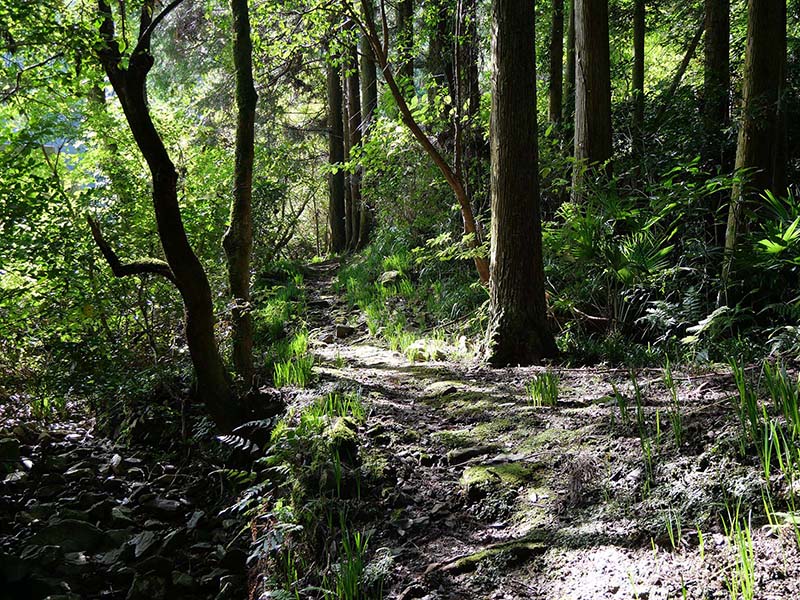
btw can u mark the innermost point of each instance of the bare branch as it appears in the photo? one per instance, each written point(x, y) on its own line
point(143, 266)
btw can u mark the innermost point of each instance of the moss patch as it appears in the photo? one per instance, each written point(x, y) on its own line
point(505, 474)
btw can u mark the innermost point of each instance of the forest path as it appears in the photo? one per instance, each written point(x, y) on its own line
point(484, 495)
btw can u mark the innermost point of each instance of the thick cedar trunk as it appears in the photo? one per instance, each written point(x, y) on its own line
point(369, 104)
point(405, 44)
point(352, 81)
point(638, 71)
point(569, 75)
point(716, 106)
point(336, 180)
point(556, 86)
point(592, 90)
point(761, 144)
point(456, 184)
point(518, 327)
point(238, 240)
point(213, 383)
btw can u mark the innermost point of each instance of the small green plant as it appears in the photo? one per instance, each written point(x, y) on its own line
point(747, 408)
point(672, 520)
point(347, 576)
point(674, 412)
point(740, 579)
point(543, 389)
point(294, 371)
point(785, 394)
point(622, 404)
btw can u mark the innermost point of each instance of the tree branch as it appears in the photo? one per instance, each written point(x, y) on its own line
point(144, 36)
point(143, 266)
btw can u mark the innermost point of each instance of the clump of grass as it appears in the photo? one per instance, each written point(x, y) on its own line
point(785, 394)
point(747, 408)
point(622, 405)
point(543, 389)
point(674, 412)
point(740, 579)
point(293, 364)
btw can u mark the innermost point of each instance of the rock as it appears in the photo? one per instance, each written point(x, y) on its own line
point(422, 350)
point(462, 455)
point(143, 542)
point(195, 519)
point(234, 559)
point(343, 331)
point(121, 516)
point(118, 467)
point(156, 564)
point(163, 506)
point(388, 277)
point(183, 580)
point(113, 485)
point(174, 541)
point(147, 587)
point(71, 535)
point(328, 338)
point(101, 511)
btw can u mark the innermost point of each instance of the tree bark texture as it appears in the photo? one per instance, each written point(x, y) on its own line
point(238, 240)
point(405, 44)
point(556, 84)
point(592, 90)
point(354, 128)
point(213, 383)
point(761, 145)
point(518, 331)
point(716, 107)
point(569, 74)
point(638, 70)
point(336, 180)
point(369, 104)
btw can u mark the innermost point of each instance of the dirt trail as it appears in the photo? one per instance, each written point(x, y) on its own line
point(486, 496)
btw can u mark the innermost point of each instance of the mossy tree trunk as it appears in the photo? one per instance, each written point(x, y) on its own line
point(518, 332)
point(238, 240)
point(761, 146)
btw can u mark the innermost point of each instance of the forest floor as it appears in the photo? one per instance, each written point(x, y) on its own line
point(476, 492)
point(485, 495)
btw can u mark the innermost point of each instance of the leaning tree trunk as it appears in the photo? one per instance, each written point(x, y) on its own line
point(380, 49)
point(518, 331)
point(716, 106)
point(592, 91)
point(556, 85)
point(213, 383)
point(238, 240)
point(761, 145)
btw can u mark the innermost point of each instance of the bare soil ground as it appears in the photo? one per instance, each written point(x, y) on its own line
point(484, 495)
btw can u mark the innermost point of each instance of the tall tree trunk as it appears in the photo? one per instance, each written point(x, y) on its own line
point(518, 331)
point(761, 145)
point(592, 91)
point(405, 44)
point(716, 105)
point(472, 149)
point(213, 383)
point(556, 85)
point(336, 179)
point(347, 138)
point(354, 127)
point(238, 240)
point(369, 104)
point(638, 72)
point(569, 75)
